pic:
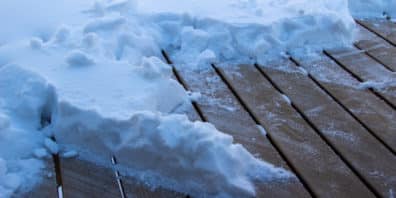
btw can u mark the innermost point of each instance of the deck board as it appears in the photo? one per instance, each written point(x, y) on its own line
point(369, 109)
point(222, 109)
point(320, 167)
point(351, 140)
point(377, 48)
point(365, 68)
point(381, 27)
point(85, 179)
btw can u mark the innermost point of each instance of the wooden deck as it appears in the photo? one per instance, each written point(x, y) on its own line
point(338, 139)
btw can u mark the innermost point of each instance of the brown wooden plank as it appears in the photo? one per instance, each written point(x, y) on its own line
point(369, 109)
point(376, 47)
point(384, 28)
point(221, 108)
point(366, 39)
point(322, 169)
point(46, 188)
point(365, 69)
point(351, 140)
point(83, 179)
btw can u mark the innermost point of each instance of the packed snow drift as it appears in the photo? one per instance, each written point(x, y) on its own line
point(91, 74)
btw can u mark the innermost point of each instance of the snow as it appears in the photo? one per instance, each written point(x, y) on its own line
point(262, 130)
point(379, 86)
point(373, 8)
point(78, 58)
point(22, 104)
point(70, 154)
point(245, 31)
point(286, 98)
point(51, 146)
point(92, 75)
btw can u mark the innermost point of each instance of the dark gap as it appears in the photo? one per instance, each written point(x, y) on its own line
point(375, 32)
point(312, 125)
point(345, 108)
point(376, 93)
point(118, 177)
point(256, 120)
point(184, 84)
point(374, 58)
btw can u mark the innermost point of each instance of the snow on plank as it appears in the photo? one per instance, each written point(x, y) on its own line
point(363, 104)
point(322, 169)
point(46, 188)
point(368, 71)
point(222, 109)
point(384, 28)
point(377, 48)
point(351, 140)
point(133, 188)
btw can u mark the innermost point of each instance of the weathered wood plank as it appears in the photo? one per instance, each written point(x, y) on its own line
point(369, 109)
point(222, 109)
point(46, 188)
point(382, 27)
point(365, 69)
point(350, 139)
point(377, 48)
point(322, 169)
point(83, 179)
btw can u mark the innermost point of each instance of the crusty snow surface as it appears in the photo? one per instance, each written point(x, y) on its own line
point(91, 75)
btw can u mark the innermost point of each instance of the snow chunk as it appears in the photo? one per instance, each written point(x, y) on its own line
point(78, 58)
point(286, 98)
point(51, 146)
point(153, 67)
point(194, 96)
point(70, 154)
point(262, 130)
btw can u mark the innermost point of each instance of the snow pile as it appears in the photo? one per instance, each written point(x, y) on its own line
point(373, 8)
point(167, 150)
point(24, 100)
point(102, 88)
point(195, 32)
